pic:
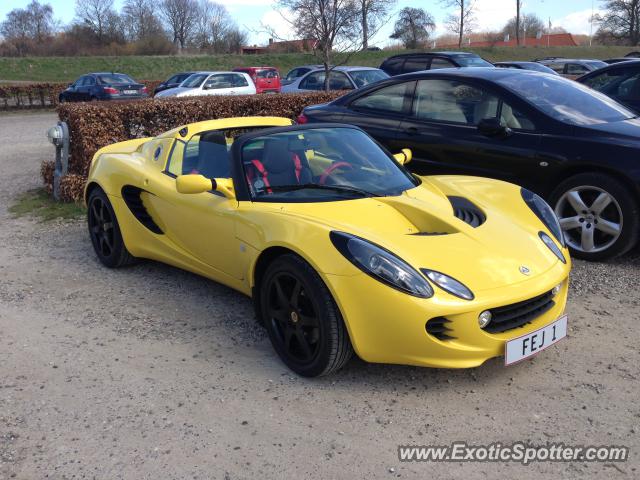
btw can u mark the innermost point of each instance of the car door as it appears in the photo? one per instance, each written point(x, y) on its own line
point(71, 92)
point(446, 132)
point(315, 81)
point(621, 84)
point(201, 224)
point(88, 88)
point(78, 91)
point(242, 84)
point(380, 113)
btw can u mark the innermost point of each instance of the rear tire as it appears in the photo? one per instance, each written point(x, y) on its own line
point(302, 319)
point(598, 214)
point(105, 232)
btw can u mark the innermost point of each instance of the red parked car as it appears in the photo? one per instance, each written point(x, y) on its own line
point(267, 79)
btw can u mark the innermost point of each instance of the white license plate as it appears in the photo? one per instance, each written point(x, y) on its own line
point(532, 343)
point(130, 92)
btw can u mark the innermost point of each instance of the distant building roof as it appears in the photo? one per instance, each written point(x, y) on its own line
point(553, 40)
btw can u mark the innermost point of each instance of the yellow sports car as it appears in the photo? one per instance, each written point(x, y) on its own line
point(340, 247)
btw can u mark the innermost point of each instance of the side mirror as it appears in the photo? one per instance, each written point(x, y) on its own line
point(491, 127)
point(190, 184)
point(193, 184)
point(404, 156)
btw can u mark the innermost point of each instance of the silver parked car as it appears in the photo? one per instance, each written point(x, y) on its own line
point(340, 78)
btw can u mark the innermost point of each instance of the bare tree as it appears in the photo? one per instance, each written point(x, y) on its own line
point(529, 26)
point(373, 13)
point(620, 22)
point(413, 27)
point(461, 22)
point(41, 20)
point(180, 18)
point(140, 20)
point(95, 14)
point(333, 24)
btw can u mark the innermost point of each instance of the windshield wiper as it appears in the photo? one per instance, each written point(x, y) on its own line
point(335, 188)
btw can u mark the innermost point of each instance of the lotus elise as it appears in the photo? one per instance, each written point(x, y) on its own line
point(341, 248)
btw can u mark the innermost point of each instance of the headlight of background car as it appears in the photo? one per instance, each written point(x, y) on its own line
point(544, 212)
point(548, 241)
point(381, 264)
point(448, 284)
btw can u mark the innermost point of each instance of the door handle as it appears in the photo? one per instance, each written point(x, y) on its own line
point(411, 130)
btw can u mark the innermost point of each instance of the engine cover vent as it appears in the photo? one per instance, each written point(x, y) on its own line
point(467, 211)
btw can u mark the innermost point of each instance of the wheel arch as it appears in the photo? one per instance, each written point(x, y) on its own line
point(91, 186)
point(579, 169)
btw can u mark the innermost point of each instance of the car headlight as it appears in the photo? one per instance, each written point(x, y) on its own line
point(381, 264)
point(449, 284)
point(548, 241)
point(544, 212)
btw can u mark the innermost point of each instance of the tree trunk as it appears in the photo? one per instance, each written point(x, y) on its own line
point(365, 26)
point(461, 33)
point(518, 22)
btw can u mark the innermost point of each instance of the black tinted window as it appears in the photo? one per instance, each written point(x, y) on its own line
point(393, 66)
point(621, 83)
point(415, 65)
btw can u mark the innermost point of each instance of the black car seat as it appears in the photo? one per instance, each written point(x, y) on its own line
point(279, 166)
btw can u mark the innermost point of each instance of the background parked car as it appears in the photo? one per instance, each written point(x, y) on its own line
point(298, 72)
point(266, 79)
point(572, 67)
point(535, 66)
point(620, 81)
point(415, 62)
point(609, 61)
point(103, 86)
point(574, 146)
point(340, 78)
point(172, 82)
point(212, 83)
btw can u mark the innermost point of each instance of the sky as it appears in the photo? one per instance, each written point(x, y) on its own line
point(253, 15)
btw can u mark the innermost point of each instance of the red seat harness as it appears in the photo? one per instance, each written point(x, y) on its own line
point(259, 166)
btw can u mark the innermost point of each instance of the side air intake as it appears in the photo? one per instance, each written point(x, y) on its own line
point(131, 196)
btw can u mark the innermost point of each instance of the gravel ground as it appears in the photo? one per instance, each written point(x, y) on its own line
point(151, 372)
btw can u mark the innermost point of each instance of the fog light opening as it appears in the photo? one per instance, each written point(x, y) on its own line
point(556, 290)
point(484, 318)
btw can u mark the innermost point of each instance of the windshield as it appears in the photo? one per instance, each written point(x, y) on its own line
point(195, 80)
point(115, 78)
point(472, 61)
point(565, 100)
point(320, 164)
point(365, 77)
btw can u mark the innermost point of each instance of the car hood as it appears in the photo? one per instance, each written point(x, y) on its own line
point(173, 92)
point(420, 227)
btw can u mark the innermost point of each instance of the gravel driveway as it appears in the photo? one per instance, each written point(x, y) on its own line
point(151, 372)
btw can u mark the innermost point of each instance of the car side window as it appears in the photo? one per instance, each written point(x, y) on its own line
point(89, 81)
point(387, 99)
point(239, 81)
point(315, 81)
point(215, 82)
point(295, 73)
point(557, 67)
point(415, 65)
point(437, 63)
point(393, 66)
point(205, 154)
point(621, 83)
point(576, 69)
point(174, 79)
point(452, 101)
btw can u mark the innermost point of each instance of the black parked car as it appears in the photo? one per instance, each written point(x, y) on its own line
point(620, 81)
point(103, 86)
point(576, 147)
point(172, 82)
point(415, 62)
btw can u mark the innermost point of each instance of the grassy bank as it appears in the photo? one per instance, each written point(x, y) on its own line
point(61, 69)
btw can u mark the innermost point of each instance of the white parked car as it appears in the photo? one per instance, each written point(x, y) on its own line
point(212, 83)
point(340, 78)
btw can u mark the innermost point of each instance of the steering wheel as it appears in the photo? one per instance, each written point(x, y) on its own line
point(331, 168)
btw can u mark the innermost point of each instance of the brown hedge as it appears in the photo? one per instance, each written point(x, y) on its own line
point(95, 125)
point(40, 95)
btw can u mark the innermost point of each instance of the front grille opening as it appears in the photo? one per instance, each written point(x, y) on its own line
point(439, 328)
point(518, 314)
point(466, 211)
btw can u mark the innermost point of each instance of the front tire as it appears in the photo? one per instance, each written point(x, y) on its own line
point(303, 322)
point(105, 232)
point(598, 215)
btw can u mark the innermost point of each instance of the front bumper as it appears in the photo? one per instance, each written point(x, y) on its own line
point(388, 326)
